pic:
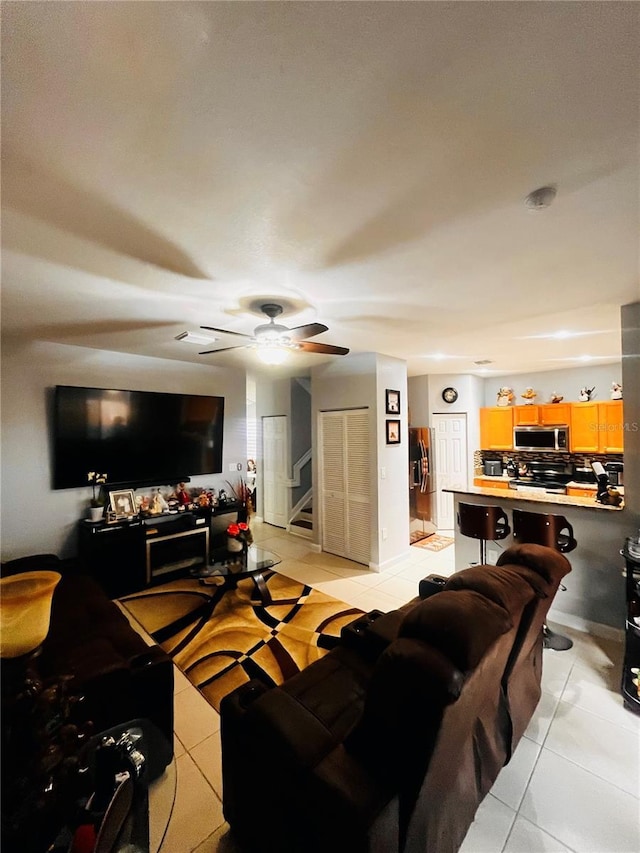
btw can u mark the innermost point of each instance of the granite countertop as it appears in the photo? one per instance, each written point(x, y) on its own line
point(534, 496)
point(573, 484)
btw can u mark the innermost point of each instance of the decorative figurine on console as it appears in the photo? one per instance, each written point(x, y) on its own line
point(616, 391)
point(585, 394)
point(505, 396)
point(184, 499)
point(529, 396)
point(556, 398)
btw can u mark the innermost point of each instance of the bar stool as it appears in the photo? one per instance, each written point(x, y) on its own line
point(486, 523)
point(554, 531)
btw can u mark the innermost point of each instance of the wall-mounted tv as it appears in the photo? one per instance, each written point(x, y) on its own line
point(135, 437)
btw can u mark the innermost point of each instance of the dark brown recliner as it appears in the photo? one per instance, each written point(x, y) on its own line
point(390, 743)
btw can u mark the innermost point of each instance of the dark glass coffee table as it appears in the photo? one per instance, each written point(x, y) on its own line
point(229, 567)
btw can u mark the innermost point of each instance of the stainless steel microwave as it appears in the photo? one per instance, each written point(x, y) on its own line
point(553, 439)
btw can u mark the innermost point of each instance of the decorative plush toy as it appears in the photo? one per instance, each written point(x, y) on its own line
point(556, 398)
point(616, 391)
point(585, 394)
point(505, 396)
point(529, 396)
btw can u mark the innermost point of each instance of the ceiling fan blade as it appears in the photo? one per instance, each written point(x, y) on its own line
point(221, 349)
point(328, 349)
point(299, 333)
point(225, 332)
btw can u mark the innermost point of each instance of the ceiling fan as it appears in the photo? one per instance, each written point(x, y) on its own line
point(274, 341)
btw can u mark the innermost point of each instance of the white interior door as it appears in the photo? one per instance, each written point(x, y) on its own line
point(345, 484)
point(274, 473)
point(450, 457)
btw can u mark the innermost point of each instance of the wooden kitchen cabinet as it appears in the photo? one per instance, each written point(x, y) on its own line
point(576, 492)
point(496, 428)
point(611, 426)
point(526, 415)
point(585, 435)
point(597, 427)
point(552, 414)
point(490, 483)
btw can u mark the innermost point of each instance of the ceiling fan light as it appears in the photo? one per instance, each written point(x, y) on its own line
point(273, 353)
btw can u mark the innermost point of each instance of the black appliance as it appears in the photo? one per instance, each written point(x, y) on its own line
point(615, 472)
point(492, 468)
point(583, 475)
point(137, 438)
point(552, 477)
point(541, 438)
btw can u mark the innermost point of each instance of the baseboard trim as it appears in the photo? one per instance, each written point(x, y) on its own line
point(598, 629)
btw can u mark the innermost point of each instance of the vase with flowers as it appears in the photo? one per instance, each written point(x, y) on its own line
point(97, 502)
point(239, 537)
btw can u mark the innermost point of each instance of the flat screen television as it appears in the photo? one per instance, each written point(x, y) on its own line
point(138, 438)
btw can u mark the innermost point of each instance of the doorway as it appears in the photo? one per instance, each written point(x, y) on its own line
point(274, 470)
point(450, 438)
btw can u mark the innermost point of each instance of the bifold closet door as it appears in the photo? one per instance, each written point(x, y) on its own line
point(345, 484)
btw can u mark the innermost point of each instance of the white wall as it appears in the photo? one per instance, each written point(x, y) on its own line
point(630, 322)
point(37, 519)
point(425, 400)
point(567, 382)
point(359, 381)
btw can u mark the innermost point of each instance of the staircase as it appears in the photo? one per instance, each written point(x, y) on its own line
point(302, 522)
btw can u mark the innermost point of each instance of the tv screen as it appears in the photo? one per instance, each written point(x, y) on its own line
point(135, 437)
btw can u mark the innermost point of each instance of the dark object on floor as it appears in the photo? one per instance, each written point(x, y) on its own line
point(119, 675)
point(391, 741)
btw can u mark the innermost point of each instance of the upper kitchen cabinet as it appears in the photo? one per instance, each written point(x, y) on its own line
point(611, 426)
point(552, 414)
point(597, 427)
point(526, 415)
point(496, 428)
point(584, 436)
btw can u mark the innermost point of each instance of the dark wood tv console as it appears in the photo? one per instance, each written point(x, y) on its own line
point(128, 556)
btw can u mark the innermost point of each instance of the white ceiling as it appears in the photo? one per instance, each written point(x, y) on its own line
point(172, 164)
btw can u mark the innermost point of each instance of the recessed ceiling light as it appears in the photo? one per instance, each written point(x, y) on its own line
point(195, 338)
point(484, 361)
point(541, 198)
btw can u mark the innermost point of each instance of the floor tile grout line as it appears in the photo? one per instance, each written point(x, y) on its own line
point(591, 772)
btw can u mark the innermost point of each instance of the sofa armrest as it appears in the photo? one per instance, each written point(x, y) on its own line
point(308, 783)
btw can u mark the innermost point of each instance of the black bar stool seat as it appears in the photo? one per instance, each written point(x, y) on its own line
point(554, 531)
point(486, 523)
point(541, 528)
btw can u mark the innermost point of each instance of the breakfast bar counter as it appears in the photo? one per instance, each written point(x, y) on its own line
point(535, 495)
point(595, 595)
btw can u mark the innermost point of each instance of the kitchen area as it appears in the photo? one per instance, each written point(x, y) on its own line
point(568, 460)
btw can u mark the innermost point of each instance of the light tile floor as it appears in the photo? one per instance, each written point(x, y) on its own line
point(571, 787)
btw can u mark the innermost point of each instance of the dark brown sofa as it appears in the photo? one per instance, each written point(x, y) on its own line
point(392, 740)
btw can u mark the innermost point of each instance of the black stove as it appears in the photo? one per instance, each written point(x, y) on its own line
point(552, 477)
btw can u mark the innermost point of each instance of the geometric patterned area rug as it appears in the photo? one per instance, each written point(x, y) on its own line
point(435, 542)
point(221, 639)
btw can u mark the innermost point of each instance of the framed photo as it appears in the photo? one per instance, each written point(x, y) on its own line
point(123, 503)
point(392, 399)
point(393, 432)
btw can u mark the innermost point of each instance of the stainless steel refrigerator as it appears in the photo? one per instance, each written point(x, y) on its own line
point(422, 499)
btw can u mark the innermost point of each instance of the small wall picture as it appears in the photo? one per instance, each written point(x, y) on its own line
point(393, 432)
point(392, 402)
point(123, 503)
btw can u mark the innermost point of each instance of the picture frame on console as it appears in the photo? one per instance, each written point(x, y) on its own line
point(123, 503)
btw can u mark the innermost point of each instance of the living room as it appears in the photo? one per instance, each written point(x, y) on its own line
point(170, 167)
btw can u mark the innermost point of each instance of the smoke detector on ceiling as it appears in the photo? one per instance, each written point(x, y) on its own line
point(541, 198)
